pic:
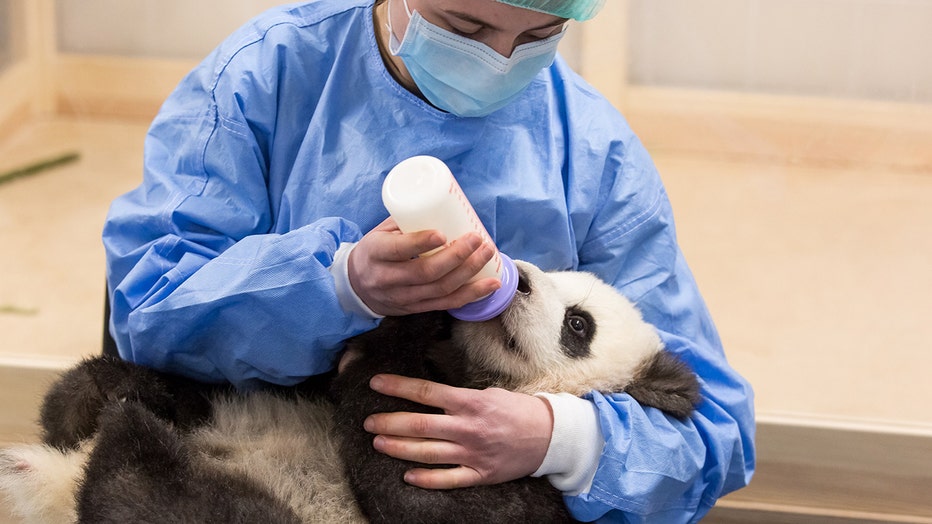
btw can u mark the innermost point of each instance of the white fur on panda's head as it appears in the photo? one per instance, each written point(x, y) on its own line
point(571, 332)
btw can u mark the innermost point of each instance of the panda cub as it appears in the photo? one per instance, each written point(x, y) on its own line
point(127, 444)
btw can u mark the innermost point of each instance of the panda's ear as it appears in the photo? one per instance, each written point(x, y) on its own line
point(667, 383)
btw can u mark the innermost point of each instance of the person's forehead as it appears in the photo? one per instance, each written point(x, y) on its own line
point(492, 12)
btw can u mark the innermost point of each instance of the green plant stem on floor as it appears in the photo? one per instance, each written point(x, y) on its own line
point(7, 309)
point(38, 167)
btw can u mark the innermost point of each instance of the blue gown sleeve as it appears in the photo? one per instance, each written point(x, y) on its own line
point(655, 468)
point(200, 282)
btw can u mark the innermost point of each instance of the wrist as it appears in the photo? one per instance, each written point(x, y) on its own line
point(544, 431)
point(346, 295)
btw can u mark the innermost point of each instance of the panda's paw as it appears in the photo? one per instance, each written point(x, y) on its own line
point(39, 482)
point(136, 456)
point(130, 434)
point(73, 404)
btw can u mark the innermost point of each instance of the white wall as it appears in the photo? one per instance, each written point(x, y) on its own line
point(878, 49)
point(151, 28)
point(166, 28)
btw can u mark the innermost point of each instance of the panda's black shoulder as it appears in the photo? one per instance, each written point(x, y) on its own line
point(417, 345)
point(397, 334)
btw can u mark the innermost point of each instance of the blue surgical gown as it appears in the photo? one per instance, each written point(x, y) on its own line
point(272, 152)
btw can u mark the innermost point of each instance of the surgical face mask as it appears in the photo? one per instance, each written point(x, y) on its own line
point(463, 76)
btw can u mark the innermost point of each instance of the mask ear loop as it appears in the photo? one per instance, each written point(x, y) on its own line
point(388, 24)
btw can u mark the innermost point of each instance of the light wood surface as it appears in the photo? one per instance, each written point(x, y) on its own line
point(116, 86)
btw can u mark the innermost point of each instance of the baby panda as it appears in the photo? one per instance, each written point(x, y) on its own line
point(127, 444)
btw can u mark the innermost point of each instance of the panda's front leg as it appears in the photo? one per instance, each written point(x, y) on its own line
point(143, 470)
point(72, 405)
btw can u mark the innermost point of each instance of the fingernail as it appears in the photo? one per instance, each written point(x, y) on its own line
point(368, 425)
point(376, 382)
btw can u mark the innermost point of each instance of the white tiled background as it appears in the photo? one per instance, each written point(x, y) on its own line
point(879, 49)
point(844, 48)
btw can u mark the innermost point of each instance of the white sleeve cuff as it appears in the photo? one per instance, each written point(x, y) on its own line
point(349, 300)
point(575, 446)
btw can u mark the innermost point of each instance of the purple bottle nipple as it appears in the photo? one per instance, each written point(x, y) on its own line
point(492, 305)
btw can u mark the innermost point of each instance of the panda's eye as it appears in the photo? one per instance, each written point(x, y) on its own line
point(578, 325)
point(577, 333)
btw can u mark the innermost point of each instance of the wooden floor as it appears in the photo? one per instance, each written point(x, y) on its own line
point(812, 245)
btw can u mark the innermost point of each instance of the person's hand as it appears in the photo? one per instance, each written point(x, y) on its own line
point(494, 435)
point(389, 277)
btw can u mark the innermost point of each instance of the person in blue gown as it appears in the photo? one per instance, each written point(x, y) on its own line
point(257, 243)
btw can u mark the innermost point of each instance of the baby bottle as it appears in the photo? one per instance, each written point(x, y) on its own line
point(421, 193)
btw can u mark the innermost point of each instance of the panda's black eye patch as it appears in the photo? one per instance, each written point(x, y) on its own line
point(578, 331)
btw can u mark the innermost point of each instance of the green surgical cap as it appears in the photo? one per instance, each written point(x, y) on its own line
point(576, 9)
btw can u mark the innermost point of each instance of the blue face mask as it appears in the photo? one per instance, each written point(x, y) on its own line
point(463, 76)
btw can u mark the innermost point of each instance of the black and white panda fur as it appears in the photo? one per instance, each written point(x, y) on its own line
point(127, 444)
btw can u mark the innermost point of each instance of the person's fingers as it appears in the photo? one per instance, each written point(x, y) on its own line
point(494, 435)
point(392, 247)
point(409, 425)
point(417, 390)
point(424, 451)
point(468, 251)
point(388, 224)
point(443, 478)
point(459, 263)
point(421, 298)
